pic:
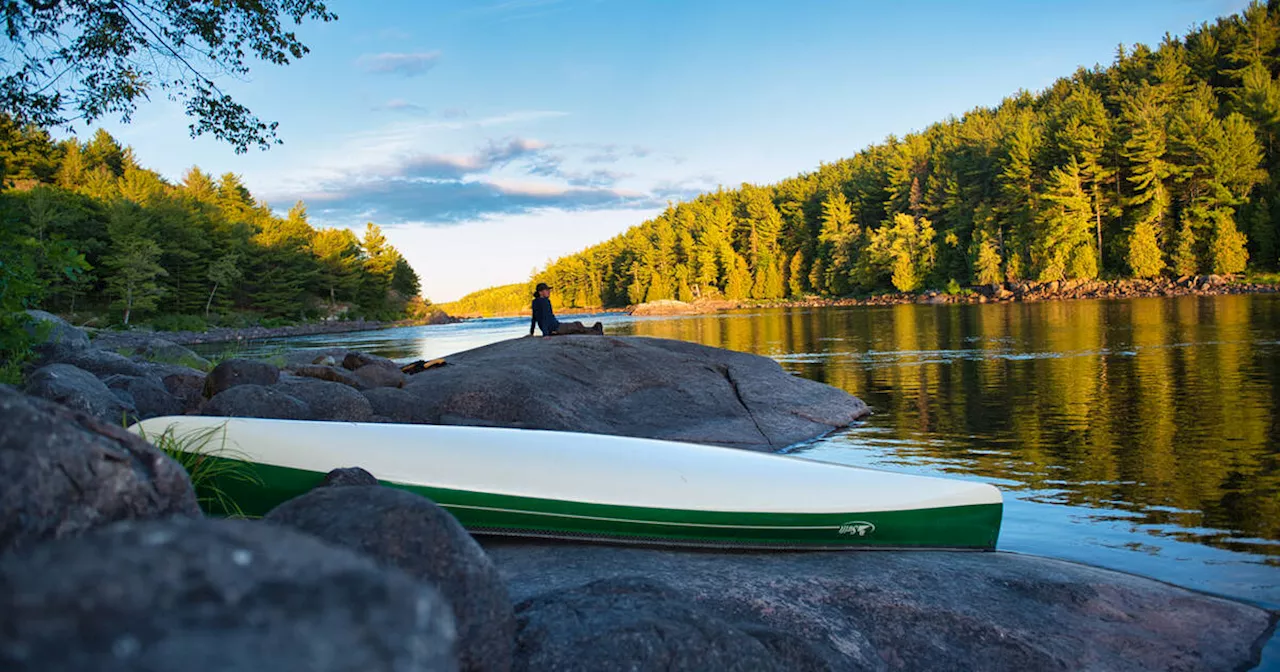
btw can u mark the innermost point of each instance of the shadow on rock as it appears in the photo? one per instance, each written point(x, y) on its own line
point(222, 595)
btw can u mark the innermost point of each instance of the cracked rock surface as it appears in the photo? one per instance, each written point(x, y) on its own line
point(631, 386)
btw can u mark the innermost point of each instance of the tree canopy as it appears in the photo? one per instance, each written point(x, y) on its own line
point(80, 60)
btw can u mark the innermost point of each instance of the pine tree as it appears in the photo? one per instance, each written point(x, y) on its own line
point(133, 262)
point(1184, 260)
point(1145, 259)
point(905, 250)
point(837, 235)
point(987, 265)
point(1019, 190)
point(1228, 246)
point(1064, 228)
point(796, 278)
point(738, 284)
point(1146, 149)
point(683, 291)
point(340, 264)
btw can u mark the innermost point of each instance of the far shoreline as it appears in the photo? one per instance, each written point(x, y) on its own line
point(1009, 292)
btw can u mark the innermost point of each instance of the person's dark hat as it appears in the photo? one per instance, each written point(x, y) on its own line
point(541, 286)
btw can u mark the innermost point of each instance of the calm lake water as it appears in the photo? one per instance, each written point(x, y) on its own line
point(1140, 435)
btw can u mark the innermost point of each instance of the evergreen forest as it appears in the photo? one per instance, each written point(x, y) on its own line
point(1165, 163)
point(87, 232)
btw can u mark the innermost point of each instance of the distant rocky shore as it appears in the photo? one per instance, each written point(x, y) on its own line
point(113, 338)
point(107, 563)
point(1025, 290)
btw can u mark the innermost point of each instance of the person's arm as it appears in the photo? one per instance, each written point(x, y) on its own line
point(533, 316)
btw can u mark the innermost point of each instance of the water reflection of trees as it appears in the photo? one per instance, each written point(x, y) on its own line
point(1165, 408)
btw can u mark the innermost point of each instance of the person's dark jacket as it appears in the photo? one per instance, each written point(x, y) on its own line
point(543, 317)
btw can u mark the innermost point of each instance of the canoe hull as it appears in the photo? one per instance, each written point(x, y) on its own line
point(256, 487)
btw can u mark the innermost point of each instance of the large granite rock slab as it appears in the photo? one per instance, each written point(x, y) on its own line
point(870, 610)
point(633, 624)
point(225, 595)
point(631, 386)
point(63, 473)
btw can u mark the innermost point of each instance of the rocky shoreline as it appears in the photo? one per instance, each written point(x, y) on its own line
point(122, 339)
point(107, 563)
point(1008, 292)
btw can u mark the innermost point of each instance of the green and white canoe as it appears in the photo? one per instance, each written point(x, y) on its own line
point(588, 486)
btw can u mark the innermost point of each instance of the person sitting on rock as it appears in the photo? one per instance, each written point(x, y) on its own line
point(546, 320)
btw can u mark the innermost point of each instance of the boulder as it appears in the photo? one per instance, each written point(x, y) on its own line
point(631, 386)
point(332, 374)
point(358, 360)
point(397, 405)
point(373, 371)
point(63, 473)
point(55, 335)
point(320, 356)
point(102, 363)
point(328, 401)
point(401, 529)
point(225, 595)
point(256, 401)
point(184, 383)
point(915, 610)
point(163, 351)
point(374, 376)
point(80, 390)
point(232, 372)
point(148, 396)
point(631, 623)
point(348, 476)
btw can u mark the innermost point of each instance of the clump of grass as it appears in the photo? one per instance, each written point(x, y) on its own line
point(210, 464)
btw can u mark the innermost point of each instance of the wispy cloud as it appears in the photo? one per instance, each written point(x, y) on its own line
point(596, 178)
point(389, 175)
point(615, 153)
point(455, 167)
point(684, 189)
point(406, 65)
point(401, 105)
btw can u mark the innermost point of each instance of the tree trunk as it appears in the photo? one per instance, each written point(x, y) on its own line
point(1097, 212)
point(128, 305)
point(208, 304)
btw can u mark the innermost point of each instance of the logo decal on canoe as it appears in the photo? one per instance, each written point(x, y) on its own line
point(860, 528)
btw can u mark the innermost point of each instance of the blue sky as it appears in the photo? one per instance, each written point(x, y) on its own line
point(490, 137)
